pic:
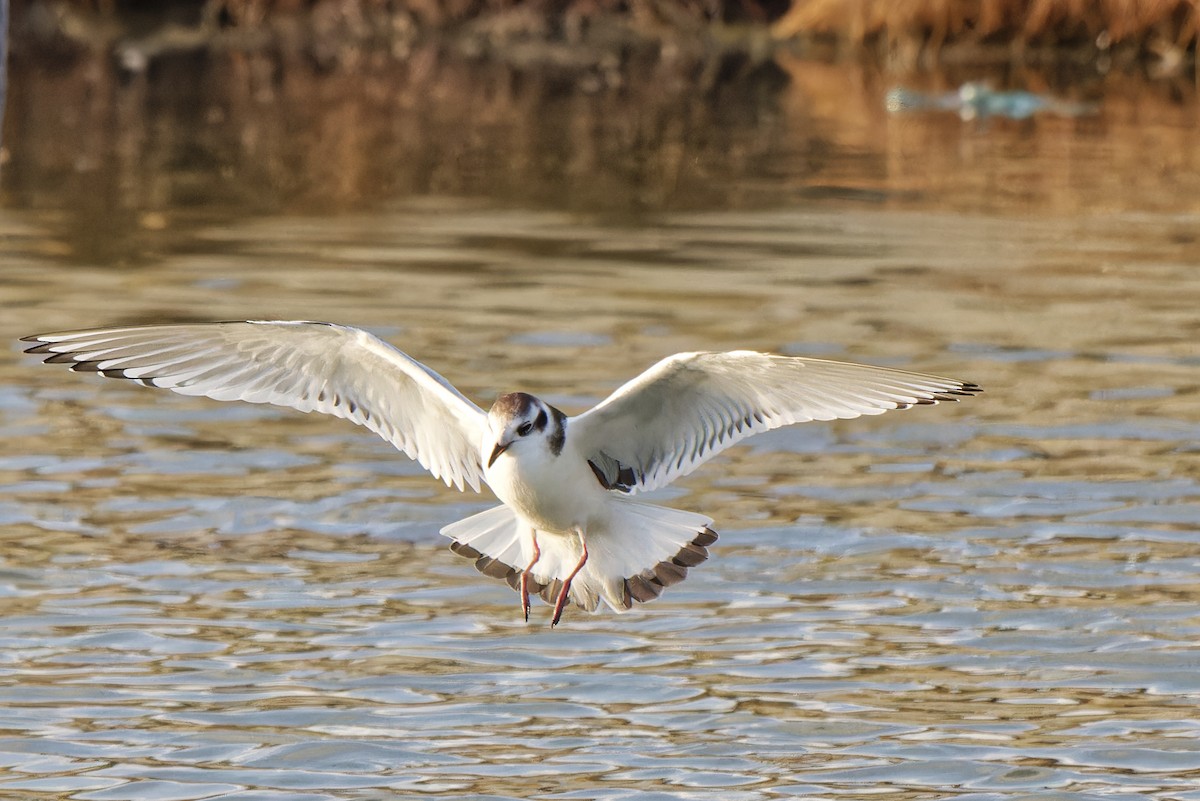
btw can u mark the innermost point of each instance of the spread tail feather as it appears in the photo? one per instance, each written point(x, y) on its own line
point(643, 549)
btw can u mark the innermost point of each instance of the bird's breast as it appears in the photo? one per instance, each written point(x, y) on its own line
point(555, 494)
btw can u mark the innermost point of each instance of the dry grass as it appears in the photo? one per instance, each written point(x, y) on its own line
point(1053, 22)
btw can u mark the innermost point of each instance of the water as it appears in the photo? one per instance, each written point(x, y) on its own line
point(988, 601)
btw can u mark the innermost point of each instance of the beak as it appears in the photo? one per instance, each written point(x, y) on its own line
point(496, 451)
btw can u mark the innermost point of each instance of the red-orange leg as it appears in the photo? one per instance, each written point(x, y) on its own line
point(566, 587)
point(537, 554)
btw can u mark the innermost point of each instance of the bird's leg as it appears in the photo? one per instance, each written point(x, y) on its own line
point(566, 587)
point(537, 554)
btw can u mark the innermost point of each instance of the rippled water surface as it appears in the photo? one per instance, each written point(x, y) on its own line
point(993, 600)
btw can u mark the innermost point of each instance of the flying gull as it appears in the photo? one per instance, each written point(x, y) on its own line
point(568, 527)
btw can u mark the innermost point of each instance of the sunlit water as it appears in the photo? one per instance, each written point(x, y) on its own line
point(987, 601)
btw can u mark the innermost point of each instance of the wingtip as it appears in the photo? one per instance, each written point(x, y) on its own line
point(966, 389)
point(40, 342)
point(45, 347)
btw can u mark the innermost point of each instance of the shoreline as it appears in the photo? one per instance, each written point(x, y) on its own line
point(604, 39)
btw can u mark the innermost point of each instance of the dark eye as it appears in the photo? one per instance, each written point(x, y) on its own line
point(524, 429)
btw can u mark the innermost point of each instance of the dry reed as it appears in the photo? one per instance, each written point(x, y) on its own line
point(1148, 23)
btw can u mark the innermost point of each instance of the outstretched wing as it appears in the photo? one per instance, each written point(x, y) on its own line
point(309, 366)
point(691, 406)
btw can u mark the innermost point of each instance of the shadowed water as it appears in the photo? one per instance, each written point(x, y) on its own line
point(989, 601)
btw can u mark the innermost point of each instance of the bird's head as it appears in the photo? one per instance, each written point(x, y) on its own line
point(518, 417)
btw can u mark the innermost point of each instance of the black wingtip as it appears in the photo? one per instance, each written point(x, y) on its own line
point(39, 346)
point(965, 389)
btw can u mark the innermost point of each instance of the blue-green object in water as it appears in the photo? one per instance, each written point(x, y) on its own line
point(975, 100)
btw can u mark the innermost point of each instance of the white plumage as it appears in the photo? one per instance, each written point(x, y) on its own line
point(568, 527)
point(317, 367)
point(691, 406)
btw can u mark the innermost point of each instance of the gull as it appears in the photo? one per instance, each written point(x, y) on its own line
point(568, 528)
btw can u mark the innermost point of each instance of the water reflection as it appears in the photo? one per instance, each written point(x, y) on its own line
point(129, 165)
point(229, 134)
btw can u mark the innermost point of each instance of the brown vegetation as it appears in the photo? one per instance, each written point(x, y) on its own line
point(502, 28)
point(1146, 23)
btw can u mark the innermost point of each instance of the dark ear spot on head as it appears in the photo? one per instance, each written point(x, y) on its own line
point(558, 435)
point(540, 422)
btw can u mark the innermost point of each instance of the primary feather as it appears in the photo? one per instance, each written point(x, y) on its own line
point(691, 406)
point(312, 367)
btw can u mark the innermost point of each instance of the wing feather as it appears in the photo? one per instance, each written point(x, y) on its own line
point(691, 406)
point(333, 369)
